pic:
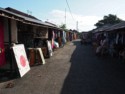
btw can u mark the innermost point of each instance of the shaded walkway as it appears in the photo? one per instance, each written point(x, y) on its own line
point(91, 75)
point(74, 69)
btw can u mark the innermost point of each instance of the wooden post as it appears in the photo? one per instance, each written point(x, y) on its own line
point(10, 44)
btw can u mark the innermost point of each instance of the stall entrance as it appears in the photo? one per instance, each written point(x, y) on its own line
point(2, 52)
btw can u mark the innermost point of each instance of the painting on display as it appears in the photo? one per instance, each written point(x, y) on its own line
point(21, 59)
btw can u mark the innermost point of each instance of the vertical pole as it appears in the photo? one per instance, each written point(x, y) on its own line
point(77, 26)
point(10, 42)
point(65, 16)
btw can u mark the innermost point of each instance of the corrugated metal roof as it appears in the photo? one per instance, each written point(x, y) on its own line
point(20, 13)
point(28, 18)
point(101, 29)
point(117, 26)
point(23, 17)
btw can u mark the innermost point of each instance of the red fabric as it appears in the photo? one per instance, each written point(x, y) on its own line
point(53, 39)
point(2, 52)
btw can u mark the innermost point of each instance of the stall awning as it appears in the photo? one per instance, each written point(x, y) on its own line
point(24, 19)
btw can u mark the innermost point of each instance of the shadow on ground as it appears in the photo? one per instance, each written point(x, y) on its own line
point(92, 75)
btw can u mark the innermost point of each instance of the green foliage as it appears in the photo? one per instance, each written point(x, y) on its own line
point(110, 19)
point(63, 26)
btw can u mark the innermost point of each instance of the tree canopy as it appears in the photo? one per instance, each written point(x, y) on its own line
point(63, 26)
point(110, 19)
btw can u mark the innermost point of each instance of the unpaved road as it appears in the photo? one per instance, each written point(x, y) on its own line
point(74, 69)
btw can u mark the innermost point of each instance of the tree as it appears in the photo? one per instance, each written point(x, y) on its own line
point(110, 19)
point(63, 26)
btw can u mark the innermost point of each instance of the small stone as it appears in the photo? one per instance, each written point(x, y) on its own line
point(10, 85)
point(39, 75)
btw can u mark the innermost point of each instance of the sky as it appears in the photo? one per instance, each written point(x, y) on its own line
point(84, 13)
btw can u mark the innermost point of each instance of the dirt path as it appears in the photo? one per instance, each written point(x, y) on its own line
point(73, 69)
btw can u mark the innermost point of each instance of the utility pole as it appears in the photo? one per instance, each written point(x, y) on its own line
point(65, 16)
point(77, 24)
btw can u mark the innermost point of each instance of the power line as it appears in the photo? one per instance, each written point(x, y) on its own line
point(65, 16)
point(72, 15)
point(70, 10)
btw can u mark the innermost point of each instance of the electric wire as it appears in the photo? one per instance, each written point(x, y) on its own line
point(70, 10)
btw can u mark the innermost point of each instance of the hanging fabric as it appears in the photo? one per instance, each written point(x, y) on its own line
point(64, 37)
point(49, 48)
point(58, 33)
point(117, 38)
point(53, 37)
point(122, 39)
point(2, 49)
